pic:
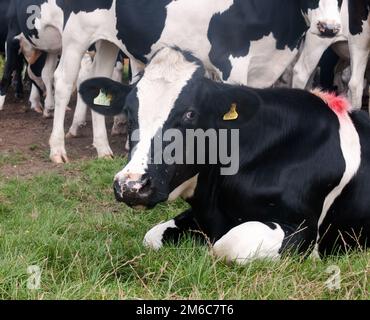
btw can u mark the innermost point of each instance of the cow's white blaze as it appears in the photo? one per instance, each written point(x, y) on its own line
point(157, 92)
point(250, 241)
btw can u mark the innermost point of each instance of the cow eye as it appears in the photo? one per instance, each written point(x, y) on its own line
point(189, 116)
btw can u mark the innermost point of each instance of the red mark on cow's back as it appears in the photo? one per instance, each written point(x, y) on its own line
point(339, 104)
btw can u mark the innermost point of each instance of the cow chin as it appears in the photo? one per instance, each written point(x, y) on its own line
point(142, 202)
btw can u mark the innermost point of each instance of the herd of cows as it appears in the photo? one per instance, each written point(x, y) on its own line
point(304, 157)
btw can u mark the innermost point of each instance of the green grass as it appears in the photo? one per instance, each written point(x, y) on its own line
point(90, 247)
point(12, 158)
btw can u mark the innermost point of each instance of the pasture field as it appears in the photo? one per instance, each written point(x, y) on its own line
point(65, 221)
point(89, 247)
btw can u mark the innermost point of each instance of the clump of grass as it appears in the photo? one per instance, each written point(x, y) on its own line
point(12, 158)
point(89, 247)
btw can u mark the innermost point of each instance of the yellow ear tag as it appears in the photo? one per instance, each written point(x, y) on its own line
point(103, 100)
point(232, 114)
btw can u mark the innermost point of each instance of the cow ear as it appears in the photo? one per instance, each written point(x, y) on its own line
point(104, 96)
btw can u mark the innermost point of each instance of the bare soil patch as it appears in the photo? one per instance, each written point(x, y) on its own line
point(24, 136)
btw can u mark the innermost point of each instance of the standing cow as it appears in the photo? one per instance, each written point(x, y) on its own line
point(359, 44)
point(241, 41)
point(10, 46)
point(303, 161)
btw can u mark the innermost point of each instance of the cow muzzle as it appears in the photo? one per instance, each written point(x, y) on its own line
point(133, 190)
point(328, 29)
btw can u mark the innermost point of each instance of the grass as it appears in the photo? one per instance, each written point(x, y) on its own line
point(90, 247)
point(12, 158)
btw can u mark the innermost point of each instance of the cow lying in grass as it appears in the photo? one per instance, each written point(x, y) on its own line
point(303, 161)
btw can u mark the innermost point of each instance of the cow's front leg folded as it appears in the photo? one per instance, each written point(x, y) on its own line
point(171, 231)
point(256, 240)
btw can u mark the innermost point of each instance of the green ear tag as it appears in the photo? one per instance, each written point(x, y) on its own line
point(103, 99)
point(232, 114)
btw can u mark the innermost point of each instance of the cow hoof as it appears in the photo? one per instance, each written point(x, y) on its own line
point(107, 157)
point(59, 159)
point(37, 109)
point(119, 130)
point(48, 114)
point(104, 152)
point(70, 135)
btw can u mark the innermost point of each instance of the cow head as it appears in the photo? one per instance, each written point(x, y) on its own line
point(173, 94)
point(323, 16)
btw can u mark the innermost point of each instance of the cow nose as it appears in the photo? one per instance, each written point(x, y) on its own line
point(328, 30)
point(132, 191)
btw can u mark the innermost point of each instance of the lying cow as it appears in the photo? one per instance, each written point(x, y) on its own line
point(304, 161)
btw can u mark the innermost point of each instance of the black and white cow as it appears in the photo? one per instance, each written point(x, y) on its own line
point(241, 41)
point(359, 44)
point(315, 47)
point(11, 48)
point(303, 171)
point(4, 4)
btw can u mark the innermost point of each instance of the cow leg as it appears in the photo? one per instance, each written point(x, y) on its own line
point(12, 56)
point(171, 231)
point(314, 48)
point(105, 57)
point(18, 78)
point(79, 119)
point(35, 99)
point(120, 121)
point(65, 78)
point(359, 49)
point(356, 84)
point(256, 240)
point(48, 79)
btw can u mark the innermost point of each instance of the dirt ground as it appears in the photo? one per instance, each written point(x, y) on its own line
point(24, 136)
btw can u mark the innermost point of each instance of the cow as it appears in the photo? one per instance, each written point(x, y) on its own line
point(359, 44)
point(241, 41)
point(11, 48)
point(4, 4)
point(315, 47)
point(302, 175)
